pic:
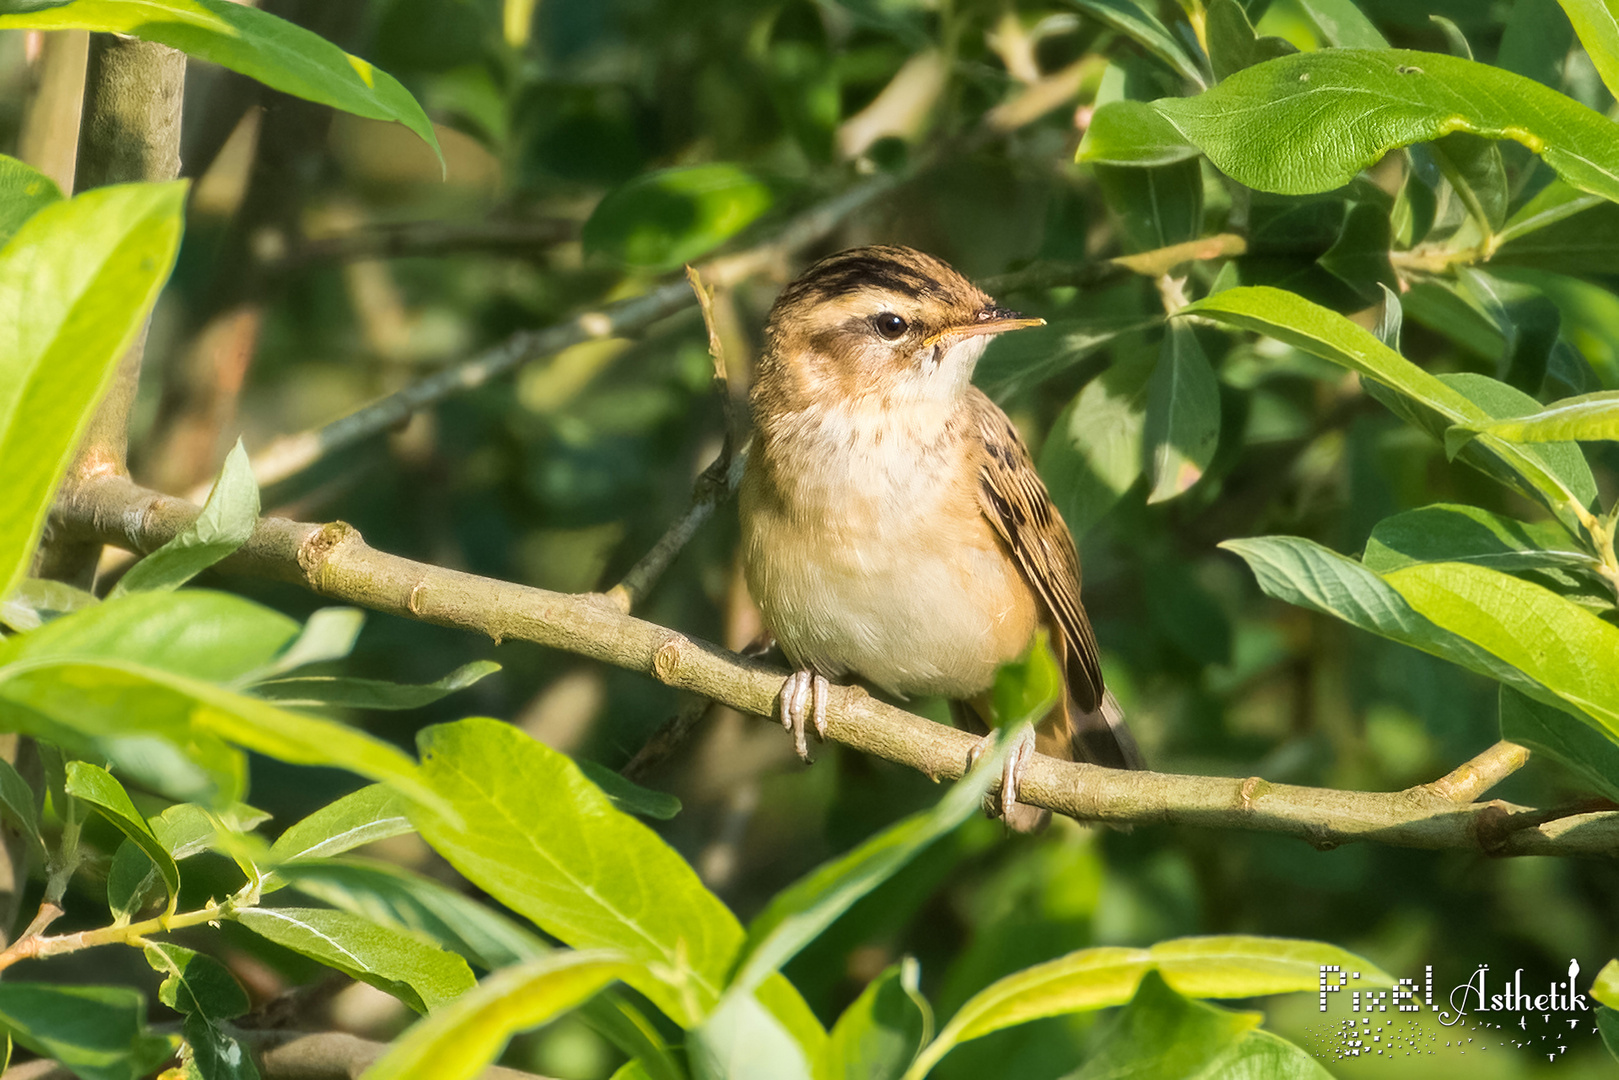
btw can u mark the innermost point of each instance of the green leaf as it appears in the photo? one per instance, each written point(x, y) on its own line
point(108, 698)
point(194, 983)
point(1557, 201)
point(94, 785)
point(457, 1041)
point(227, 520)
point(1579, 747)
point(1140, 25)
point(1536, 41)
point(1219, 967)
point(1310, 122)
point(1014, 362)
point(23, 191)
point(1527, 321)
point(1304, 573)
point(201, 634)
point(279, 54)
point(1587, 418)
point(1025, 689)
point(880, 1034)
point(329, 634)
point(1233, 45)
point(1453, 37)
point(1182, 425)
point(183, 830)
point(35, 602)
point(1157, 206)
point(741, 1040)
point(1093, 454)
point(76, 282)
point(1596, 22)
point(1569, 652)
point(1296, 321)
point(627, 795)
point(216, 1055)
point(395, 897)
point(539, 837)
point(423, 976)
point(799, 913)
point(1343, 24)
point(1608, 1026)
point(1133, 133)
point(1477, 175)
point(372, 813)
point(1554, 467)
point(1161, 1035)
point(337, 692)
point(1360, 254)
point(98, 1032)
point(662, 219)
point(19, 806)
point(1605, 988)
point(1446, 532)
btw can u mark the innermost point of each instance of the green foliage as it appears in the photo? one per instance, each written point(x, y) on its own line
point(662, 219)
point(99, 1032)
point(226, 521)
point(76, 281)
point(255, 43)
point(23, 190)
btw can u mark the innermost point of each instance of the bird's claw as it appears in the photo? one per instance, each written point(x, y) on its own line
point(1004, 804)
point(804, 688)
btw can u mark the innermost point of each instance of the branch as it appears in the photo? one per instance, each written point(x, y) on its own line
point(425, 239)
point(333, 561)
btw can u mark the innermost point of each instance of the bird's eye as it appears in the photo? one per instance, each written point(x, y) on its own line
point(890, 326)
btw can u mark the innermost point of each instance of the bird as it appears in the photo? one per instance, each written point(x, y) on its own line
point(893, 526)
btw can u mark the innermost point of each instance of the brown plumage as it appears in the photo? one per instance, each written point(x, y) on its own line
point(894, 527)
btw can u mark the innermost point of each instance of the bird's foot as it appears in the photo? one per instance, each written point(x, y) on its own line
point(803, 705)
point(1005, 803)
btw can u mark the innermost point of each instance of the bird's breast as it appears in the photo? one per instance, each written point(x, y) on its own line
point(867, 552)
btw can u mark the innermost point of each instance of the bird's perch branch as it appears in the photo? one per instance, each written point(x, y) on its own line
point(333, 561)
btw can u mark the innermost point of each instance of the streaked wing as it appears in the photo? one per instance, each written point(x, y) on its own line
point(1016, 502)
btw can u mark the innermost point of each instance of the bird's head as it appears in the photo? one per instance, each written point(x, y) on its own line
point(889, 325)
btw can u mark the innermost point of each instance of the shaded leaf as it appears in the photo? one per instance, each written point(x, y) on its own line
point(194, 983)
point(1182, 426)
point(662, 219)
point(36, 601)
point(1136, 22)
point(216, 1055)
point(1093, 454)
point(99, 1032)
point(338, 692)
point(423, 976)
point(395, 897)
point(23, 191)
point(627, 795)
point(77, 280)
point(226, 521)
point(1579, 747)
point(94, 785)
point(280, 54)
point(1447, 532)
point(1343, 24)
point(19, 806)
point(1161, 1035)
point(1233, 45)
point(881, 1032)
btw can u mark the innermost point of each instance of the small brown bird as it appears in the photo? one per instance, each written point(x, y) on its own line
point(893, 525)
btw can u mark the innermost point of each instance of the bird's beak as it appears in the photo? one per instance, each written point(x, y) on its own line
point(992, 320)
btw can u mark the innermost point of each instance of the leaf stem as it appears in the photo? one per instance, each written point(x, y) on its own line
point(36, 945)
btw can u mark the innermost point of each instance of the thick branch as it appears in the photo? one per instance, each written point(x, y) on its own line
point(332, 560)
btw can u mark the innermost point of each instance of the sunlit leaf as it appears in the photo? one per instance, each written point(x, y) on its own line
point(226, 521)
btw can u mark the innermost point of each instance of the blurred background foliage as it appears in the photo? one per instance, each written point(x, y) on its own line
point(594, 145)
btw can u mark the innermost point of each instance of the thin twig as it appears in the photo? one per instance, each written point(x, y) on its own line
point(669, 737)
point(1467, 781)
point(425, 239)
point(713, 486)
point(333, 561)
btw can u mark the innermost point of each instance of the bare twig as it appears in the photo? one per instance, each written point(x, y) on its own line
point(1467, 781)
point(713, 486)
point(49, 137)
point(667, 739)
point(333, 561)
point(424, 239)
